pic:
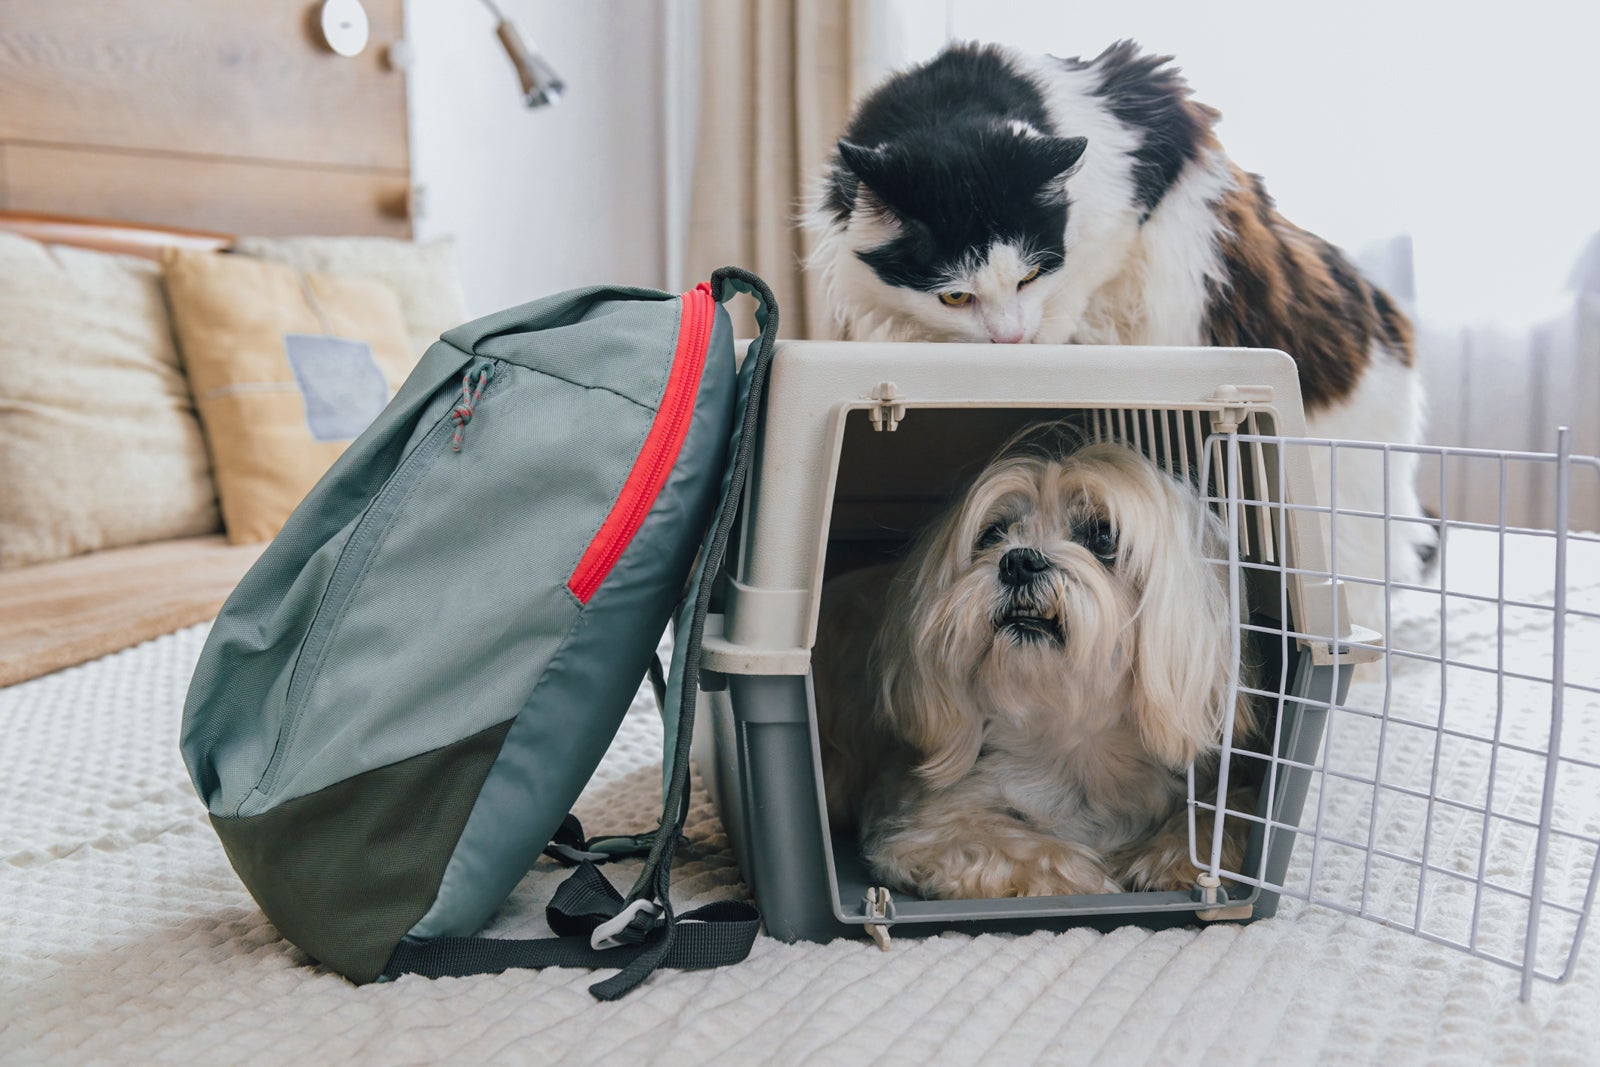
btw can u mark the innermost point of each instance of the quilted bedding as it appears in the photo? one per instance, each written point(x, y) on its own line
point(126, 938)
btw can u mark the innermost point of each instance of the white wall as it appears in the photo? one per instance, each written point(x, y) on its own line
point(545, 199)
point(1470, 125)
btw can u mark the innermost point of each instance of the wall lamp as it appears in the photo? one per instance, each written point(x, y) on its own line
point(541, 85)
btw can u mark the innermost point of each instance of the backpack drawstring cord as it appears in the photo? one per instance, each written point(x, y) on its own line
point(462, 414)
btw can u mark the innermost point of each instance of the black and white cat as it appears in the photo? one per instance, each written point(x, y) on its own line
point(994, 196)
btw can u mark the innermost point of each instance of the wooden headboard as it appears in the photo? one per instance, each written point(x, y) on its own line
point(104, 235)
point(202, 115)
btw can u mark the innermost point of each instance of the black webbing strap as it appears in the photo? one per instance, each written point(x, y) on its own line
point(711, 936)
point(658, 680)
point(569, 847)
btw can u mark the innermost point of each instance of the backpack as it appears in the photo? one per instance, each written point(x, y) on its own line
point(398, 705)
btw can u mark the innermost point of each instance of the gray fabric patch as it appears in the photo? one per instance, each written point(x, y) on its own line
point(345, 871)
point(343, 387)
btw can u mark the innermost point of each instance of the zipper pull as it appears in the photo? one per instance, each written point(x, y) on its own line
point(462, 414)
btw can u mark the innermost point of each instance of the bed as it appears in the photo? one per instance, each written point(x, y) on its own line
point(128, 937)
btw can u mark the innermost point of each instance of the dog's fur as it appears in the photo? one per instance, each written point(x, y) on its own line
point(1012, 710)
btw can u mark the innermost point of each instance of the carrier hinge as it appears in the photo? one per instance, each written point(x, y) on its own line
point(1238, 400)
point(879, 909)
point(886, 414)
point(1208, 890)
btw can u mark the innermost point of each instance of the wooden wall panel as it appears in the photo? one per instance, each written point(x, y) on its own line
point(241, 79)
point(266, 199)
point(215, 114)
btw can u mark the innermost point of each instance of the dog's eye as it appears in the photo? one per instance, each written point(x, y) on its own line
point(992, 535)
point(1100, 539)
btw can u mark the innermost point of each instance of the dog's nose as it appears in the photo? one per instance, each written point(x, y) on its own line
point(1018, 566)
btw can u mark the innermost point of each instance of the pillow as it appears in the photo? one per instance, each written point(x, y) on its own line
point(99, 445)
point(279, 400)
point(422, 274)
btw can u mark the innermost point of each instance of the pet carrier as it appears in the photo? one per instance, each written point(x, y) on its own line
point(862, 444)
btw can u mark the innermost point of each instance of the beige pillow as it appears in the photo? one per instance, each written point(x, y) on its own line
point(422, 274)
point(232, 315)
point(99, 445)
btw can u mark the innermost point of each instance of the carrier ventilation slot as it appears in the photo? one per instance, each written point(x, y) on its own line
point(1173, 440)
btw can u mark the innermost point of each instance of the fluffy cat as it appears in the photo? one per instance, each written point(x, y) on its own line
point(994, 196)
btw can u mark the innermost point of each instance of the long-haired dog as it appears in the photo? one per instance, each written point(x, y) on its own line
point(1012, 710)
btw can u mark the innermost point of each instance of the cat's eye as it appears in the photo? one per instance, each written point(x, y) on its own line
point(955, 300)
point(992, 535)
point(1028, 277)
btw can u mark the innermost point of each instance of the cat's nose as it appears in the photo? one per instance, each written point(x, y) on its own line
point(1006, 337)
point(1018, 566)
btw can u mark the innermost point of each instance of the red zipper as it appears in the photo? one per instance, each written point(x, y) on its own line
point(661, 447)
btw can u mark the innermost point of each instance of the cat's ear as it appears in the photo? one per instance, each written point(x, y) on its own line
point(864, 162)
point(1060, 154)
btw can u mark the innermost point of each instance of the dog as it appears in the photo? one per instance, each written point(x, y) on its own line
point(1012, 710)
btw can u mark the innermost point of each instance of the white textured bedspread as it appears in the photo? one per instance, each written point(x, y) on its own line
point(126, 938)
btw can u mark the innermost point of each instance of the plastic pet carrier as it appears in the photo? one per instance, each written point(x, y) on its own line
point(862, 444)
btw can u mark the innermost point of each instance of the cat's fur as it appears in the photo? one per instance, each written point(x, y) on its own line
point(965, 174)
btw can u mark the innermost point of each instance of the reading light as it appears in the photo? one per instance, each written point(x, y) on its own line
point(541, 85)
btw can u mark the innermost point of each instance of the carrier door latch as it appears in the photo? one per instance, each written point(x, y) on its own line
point(1238, 400)
point(1208, 889)
point(879, 909)
point(886, 414)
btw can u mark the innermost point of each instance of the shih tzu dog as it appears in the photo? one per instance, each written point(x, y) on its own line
point(1012, 710)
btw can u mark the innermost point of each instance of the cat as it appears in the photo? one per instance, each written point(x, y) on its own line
point(989, 195)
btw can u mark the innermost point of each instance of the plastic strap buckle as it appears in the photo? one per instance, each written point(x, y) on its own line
point(605, 935)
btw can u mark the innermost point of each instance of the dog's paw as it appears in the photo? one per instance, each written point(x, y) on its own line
point(1056, 868)
point(1165, 867)
point(1163, 863)
point(1007, 863)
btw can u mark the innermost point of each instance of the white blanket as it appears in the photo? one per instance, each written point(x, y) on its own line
point(125, 937)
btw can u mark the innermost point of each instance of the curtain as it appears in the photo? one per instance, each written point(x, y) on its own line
point(1505, 383)
point(774, 95)
point(776, 82)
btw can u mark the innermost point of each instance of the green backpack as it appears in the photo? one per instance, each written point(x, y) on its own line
point(398, 705)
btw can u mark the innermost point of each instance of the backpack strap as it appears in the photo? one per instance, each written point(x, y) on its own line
point(598, 927)
point(683, 682)
point(711, 936)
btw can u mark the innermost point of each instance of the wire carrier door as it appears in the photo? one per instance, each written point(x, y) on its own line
point(1456, 790)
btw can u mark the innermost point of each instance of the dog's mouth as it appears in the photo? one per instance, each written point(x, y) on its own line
point(1031, 624)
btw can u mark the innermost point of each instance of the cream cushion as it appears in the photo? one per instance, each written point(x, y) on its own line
point(421, 274)
point(232, 314)
point(99, 444)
